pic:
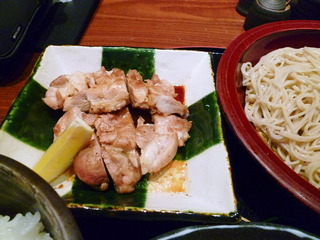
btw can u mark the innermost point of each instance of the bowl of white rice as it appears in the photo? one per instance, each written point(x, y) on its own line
point(30, 208)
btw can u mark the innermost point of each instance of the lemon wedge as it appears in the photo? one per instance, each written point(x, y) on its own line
point(59, 156)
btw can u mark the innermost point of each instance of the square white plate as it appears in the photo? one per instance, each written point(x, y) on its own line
point(201, 186)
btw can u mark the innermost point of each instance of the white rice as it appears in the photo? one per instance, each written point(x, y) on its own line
point(28, 227)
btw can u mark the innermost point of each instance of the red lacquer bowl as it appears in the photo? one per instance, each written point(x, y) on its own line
point(251, 46)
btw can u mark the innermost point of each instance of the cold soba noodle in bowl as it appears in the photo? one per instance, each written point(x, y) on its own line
point(283, 103)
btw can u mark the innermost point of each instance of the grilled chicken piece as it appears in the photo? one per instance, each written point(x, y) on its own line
point(173, 124)
point(69, 116)
point(89, 166)
point(66, 120)
point(90, 119)
point(167, 105)
point(145, 133)
point(99, 92)
point(158, 153)
point(159, 142)
point(78, 100)
point(63, 87)
point(116, 133)
point(120, 166)
point(138, 91)
point(110, 94)
point(155, 94)
point(116, 129)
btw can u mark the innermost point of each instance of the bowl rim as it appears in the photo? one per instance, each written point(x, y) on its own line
point(227, 93)
point(235, 229)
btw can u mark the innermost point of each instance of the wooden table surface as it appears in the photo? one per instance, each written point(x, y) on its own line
point(150, 23)
point(166, 24)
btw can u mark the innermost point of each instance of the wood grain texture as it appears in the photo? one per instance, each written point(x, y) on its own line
point(150, 23)
point(165, 23)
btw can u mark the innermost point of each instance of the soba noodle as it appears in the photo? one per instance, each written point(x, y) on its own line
point(283, 103)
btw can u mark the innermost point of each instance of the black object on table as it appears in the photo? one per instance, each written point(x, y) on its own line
point(258, 12)
point(40, 23)
point(20, 21)
point(66, 23)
